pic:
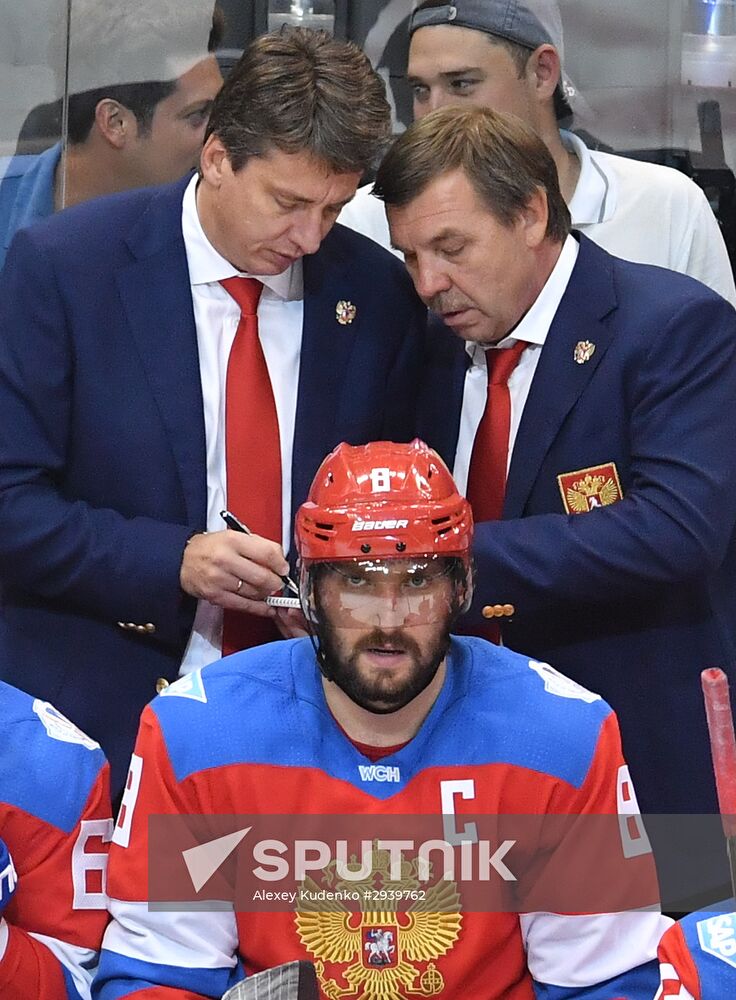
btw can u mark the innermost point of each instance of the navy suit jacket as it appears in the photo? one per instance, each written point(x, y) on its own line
point(634, 599)
point(102, 440)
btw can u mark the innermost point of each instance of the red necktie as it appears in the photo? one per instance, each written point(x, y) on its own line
point(252, 450)
point(488, 463)
point(489, 460)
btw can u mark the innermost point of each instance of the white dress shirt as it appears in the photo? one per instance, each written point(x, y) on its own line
point(532, 328)
point(216, 318)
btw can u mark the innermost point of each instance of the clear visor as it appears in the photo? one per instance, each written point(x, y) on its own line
point(385, 593)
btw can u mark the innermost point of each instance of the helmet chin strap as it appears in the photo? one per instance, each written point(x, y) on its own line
point(319, 653)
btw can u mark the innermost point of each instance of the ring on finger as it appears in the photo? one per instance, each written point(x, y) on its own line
point(240, 584)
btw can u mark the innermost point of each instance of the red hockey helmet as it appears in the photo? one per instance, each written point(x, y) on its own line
point(384, 501)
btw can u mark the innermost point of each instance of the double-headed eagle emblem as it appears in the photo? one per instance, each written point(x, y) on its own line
point(387, 954)
point(587, 489)
point(345, 312)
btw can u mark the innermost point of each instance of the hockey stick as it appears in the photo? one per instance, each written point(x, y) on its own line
point(295, 981)
point(723, 751)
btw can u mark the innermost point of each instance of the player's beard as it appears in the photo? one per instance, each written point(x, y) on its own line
point(383, 694)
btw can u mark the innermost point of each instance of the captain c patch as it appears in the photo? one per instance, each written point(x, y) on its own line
point(587, 489)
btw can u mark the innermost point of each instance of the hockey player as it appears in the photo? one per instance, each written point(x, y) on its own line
point(55, 827)
point(459, 726)
point(698, 956)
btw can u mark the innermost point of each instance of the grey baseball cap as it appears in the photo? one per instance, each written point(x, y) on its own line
point(528, 24)
point(531, 24)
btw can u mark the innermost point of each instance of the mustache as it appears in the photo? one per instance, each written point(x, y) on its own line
point(448, 303)
point(398, 639)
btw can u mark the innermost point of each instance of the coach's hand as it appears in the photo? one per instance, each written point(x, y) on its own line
point(233, 570)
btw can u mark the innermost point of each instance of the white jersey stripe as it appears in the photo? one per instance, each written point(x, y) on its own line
point(603, 945)
point(4, 935)
point(79, 962)
point(187, 939)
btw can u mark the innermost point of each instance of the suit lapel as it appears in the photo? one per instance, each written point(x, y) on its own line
point(326, 349)
point(157, 300)
point(559, 380)
point(443, 384)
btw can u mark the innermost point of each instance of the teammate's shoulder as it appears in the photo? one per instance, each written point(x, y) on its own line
point(718, 915)
point(45, 727)
point(707, 939)
point(47, 764)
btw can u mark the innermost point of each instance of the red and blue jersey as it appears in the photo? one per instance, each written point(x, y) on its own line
point(253, 735)
point(55, 821)
point(698, 956)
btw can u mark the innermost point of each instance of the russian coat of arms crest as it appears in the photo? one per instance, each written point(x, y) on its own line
point(587, 489)
point(385, 953)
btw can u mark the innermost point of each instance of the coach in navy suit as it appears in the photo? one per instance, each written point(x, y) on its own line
point(109, 468)
point(615, 539)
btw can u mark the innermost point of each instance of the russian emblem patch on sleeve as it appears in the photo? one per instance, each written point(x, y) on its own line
point(586, 489)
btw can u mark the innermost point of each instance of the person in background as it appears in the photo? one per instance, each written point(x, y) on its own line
point(508, 56)
point(697, 956)
point(143, 77)
point(171, 352)
point(55, 830)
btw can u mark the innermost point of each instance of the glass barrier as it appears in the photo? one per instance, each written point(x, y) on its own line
point(320, 14)
point(98, 98)
point(652, 80)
